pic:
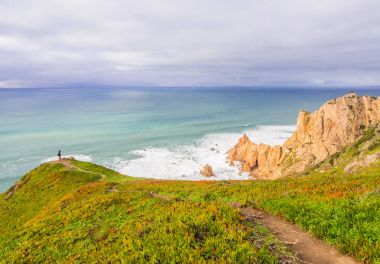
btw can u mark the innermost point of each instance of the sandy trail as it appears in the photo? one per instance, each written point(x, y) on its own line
point(67, 163)
point(306, 248)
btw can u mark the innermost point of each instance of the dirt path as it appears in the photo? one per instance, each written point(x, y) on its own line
point(67, 163)
point(306, 248)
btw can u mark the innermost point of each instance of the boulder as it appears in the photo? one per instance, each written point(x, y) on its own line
point(207, 171)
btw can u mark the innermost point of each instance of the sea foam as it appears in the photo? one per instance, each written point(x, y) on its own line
point(184, 162)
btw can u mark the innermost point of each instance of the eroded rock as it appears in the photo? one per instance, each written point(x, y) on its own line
point(207, 171)
point(362, 162)
point(318, 135)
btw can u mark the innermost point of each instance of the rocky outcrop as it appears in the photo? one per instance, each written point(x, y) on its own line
point(318, 135)
point(259, 159)
point(207, 171)
point(361, 162)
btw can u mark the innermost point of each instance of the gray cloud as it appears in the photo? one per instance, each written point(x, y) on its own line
point(199, 42)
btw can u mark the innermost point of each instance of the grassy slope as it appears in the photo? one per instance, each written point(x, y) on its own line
point(343, 210)
point(68, 215)
point(79, 218)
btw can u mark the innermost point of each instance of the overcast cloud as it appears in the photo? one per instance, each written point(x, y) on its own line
point(197, 42)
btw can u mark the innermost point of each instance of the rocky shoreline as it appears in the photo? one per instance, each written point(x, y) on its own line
point(318, 135)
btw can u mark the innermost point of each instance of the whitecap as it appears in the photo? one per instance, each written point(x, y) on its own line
point(184, 162)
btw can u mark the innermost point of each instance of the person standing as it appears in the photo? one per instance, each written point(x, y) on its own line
point(59, 155)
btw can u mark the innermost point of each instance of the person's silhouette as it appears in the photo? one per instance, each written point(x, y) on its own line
point(59, 155)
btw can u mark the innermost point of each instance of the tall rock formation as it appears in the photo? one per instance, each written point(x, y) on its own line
point(318, 135)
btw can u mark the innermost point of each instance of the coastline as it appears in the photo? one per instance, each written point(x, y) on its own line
point(178, 162)
point(183, 162)
point(116, 125)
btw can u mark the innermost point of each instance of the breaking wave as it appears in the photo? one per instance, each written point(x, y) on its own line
point(184, 162)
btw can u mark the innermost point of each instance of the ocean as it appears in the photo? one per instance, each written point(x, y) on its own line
point(165, 133)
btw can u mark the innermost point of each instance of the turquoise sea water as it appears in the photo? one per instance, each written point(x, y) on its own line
point(158, 132)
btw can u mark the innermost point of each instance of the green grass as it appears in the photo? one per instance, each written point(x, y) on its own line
point(130, 226)
point(343, 210)
point(110, 175)
point(65, 215)
point(39, 188)
point(60, 214)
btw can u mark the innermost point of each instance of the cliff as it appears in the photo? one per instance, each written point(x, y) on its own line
point(92, 212)
point(334, 125)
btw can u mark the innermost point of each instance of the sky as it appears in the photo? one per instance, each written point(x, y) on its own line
point(55, 43)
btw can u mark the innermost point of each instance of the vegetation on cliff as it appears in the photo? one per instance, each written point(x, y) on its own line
point(74, 212)
point(81, 212)
point(336, 124)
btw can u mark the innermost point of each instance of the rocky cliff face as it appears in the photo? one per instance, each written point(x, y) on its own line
point(318, 135)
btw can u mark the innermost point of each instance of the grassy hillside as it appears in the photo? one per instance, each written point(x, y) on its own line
point(83, 212)
point(63, 213)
